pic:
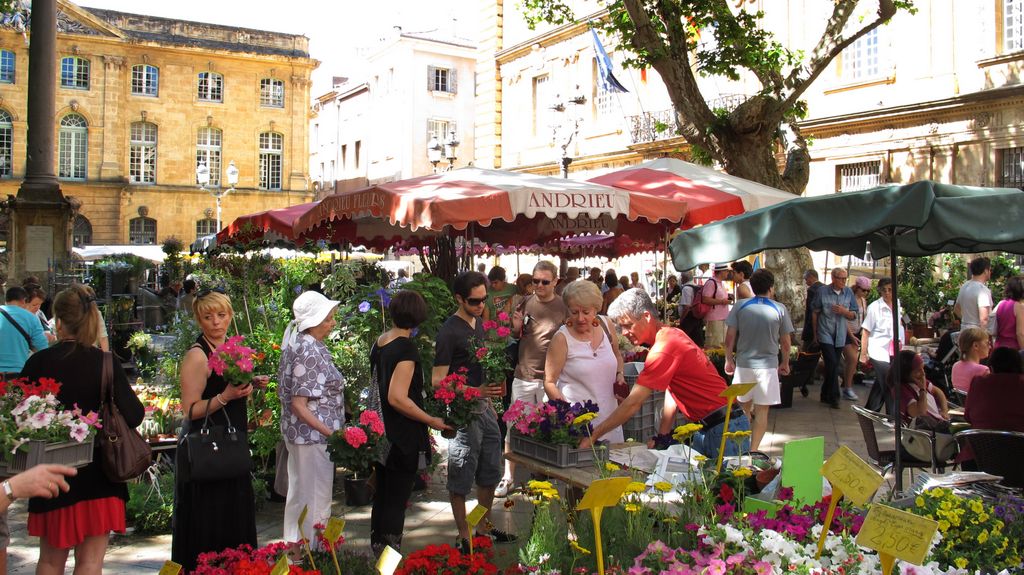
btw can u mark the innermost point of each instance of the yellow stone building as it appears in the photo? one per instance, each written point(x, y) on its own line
point(142, 101)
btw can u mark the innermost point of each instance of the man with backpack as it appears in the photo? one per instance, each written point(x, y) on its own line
point(691, 325)
point(714, 307)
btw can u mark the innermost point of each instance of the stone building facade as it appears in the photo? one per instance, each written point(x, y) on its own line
point(142, 101)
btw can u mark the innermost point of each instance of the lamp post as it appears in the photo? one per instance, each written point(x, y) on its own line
point(449, 149)
point(573, 121)
point(203, 177)
point(434, 150)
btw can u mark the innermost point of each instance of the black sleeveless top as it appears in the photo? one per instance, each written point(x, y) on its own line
point(408, 435)
point(235, 409)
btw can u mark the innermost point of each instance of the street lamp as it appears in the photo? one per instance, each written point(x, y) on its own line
point(573, 121)
point(434, 149)
point(449, 149)
point(203, 177)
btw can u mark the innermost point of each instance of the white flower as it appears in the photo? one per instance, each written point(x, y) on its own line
point(79, 432)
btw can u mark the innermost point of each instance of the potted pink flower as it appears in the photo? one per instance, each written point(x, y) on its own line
point(454, 402)
point(234, 361)
point(356, 447)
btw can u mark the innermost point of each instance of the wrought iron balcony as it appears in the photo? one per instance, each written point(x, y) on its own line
point(661, 125)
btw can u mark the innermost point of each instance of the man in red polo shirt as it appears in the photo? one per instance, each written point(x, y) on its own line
point(674, 363)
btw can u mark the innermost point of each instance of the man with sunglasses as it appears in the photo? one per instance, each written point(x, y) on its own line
point(474, 455)
point(536, 320)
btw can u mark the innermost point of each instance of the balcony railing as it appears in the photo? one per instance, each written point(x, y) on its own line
point(661, 125)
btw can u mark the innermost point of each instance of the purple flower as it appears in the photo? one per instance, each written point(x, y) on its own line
point(364, 307)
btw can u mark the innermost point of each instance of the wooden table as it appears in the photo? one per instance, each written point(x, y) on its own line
point(581, 476)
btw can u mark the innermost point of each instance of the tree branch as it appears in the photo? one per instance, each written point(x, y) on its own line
point(831, 44)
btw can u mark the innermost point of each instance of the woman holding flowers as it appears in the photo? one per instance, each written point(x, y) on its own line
point(312, 408)
point(398, 375)
point(84, 516)
point(211, 515)
point(583, 361)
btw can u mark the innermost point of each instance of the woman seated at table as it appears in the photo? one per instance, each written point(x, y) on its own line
point(996, 400)
point(974, 347)
point(583, 361)
point(919, 399)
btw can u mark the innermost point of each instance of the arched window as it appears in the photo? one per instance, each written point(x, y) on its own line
point(6, 144)
point(208, 141)
point(74, 73)
point(206, 227)
point(211, 87)
point(142, 230)
point(271, 93)
point(271, 146)
point(142, 153)
point(145, 80)
point(81, 232)
point(72, 145)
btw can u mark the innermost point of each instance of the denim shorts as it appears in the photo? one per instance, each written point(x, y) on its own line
point(709, 441)
point(474, 455)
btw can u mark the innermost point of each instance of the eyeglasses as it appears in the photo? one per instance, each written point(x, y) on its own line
point(475, 301)
point(205, 292)
point(840, 277)
point(542, 282)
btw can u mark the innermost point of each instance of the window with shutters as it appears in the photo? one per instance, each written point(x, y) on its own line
point(440, 129)
point(440, 79)
point(145, 80)
point(1011, 168)
point(859, 176)
point(6, 66)
point(142, 231)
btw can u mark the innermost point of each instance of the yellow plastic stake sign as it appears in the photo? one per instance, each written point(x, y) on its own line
point(602, 493)
point(302, 519)
point(281, 567)
point(731, 393)
point(388, 561)
point(896, 534)
point(837, 494)
point(846, 471)
point(170, 568)
point(332, 533)
point(473, 518)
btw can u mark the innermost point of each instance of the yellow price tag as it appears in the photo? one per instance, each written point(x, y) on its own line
point(604, 493)
point(302, 516)
point(474, 516)
point(388, 561)
point(333, 530)
point(852, 475)
point(737, 389)
point(900, 534)
point(170, 568)
point(281, 567)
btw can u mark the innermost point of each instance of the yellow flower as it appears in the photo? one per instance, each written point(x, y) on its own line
point(742, 472)
point(576, 547)
point(636, 487)
point(632, 507)
point(663, 486)
point(736, 434)
point(682, 432)
point(983, 537)
point(919, 501)
point(976, 506)
point(946, 505)
point(700, 458)
point(983, 517)
point(961, 563)
point(611, 467)
point(535, 485)
point(943, 526)
point(583, 418)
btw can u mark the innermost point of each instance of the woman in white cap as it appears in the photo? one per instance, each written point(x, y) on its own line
point(312, 408)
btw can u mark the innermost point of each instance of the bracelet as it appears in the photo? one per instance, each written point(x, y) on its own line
point(220, 401)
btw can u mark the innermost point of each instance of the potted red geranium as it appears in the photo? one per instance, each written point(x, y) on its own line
point(454, 401)
point(355, 448)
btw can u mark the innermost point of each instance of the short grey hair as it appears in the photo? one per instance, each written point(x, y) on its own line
point(632, 303)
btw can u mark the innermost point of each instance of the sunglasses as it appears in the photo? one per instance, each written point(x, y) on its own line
point(474, 301)
point(541, 282)
point(205, 292)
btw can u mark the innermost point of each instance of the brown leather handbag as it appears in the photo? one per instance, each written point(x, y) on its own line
point(125, 454)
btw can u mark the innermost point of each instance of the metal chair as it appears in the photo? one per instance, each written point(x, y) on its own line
point(884, 459)
point(961, 397)
point(937, 464)
point(998, 453)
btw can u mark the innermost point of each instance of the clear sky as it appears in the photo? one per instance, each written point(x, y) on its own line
point(335, 28)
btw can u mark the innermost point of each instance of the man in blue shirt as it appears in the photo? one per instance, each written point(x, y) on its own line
point(17, 344)
point(834, 305)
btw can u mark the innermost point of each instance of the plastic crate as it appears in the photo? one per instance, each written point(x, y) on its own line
point(557, 455)
point(630, 372)
point(70, 453)
point(644, 423)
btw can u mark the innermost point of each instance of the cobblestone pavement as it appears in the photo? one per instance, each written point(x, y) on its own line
point(429, 519)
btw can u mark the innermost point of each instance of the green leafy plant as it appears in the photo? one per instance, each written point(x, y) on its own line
point(151, 501)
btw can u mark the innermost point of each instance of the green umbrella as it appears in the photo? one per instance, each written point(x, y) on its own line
point(918, 219)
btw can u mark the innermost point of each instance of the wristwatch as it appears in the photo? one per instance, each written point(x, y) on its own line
point(8, 491)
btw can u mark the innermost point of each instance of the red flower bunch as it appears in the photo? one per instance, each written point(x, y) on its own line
point(244, 560)
point(355, 446)
point(434, 559)
point(234, 361)
point(45, 385)
point(454, 401)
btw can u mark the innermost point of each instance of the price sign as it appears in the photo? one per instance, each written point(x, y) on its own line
point(604, 493)
point(333, 530)
point(281, 567)
point(170, 568)
point(737, 389)
point(857, 480)
point(302, 518)
point(896, 533)
point(474, 516)
point(388, 561)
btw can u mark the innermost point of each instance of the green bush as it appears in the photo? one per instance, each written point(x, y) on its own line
point(151, 502)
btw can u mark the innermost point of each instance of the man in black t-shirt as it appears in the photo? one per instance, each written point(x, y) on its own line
point(474, 455)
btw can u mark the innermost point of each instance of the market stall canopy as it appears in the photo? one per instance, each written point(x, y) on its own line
point(152, 253)
point(709, 195)
point(506, 207)
point(916, 219)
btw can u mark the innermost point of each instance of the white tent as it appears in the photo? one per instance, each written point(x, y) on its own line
point(152, 253)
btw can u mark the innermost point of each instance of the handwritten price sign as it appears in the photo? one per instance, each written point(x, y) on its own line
point(857, 480)
point(897, 534)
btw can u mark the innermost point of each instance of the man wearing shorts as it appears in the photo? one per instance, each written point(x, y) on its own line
point(757, 328)
point(474, 455)
point(538, 318)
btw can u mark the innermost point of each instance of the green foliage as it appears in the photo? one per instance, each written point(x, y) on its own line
point(918, 292)
point(173, 262)
point(1004, 267)
point(151, 502)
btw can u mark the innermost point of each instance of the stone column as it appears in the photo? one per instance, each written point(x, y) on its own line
point(40, 214)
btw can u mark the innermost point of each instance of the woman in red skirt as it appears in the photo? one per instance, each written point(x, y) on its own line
point(83, 517)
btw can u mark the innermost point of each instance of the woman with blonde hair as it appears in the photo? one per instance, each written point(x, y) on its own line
point(583, 361)
point(219, 514)
point(974, 346)
point(83, 517)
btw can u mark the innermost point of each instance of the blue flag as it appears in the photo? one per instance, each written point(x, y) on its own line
point(604, 68)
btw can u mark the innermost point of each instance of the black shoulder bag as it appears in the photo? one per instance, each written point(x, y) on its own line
point(21, 330)
point(213, 452)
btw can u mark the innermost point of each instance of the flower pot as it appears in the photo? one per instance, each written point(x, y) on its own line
point(357, 490)
point(922, 330)
point(70, 453)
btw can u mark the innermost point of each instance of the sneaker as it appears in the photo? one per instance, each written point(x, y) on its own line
point(499, 536)
point(502, 489)
point(849, 394)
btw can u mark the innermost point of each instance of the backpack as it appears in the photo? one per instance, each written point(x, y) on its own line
point(699, 309)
